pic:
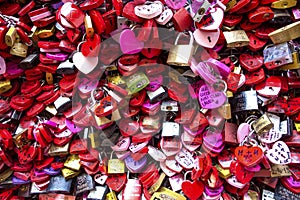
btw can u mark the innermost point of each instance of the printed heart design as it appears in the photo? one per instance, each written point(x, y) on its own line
point(149, 10)
point(165, 17)
point(129, 43)
point(86, 85)
point(84, 64)
point(193, 190)
point(249, 156)
point(279, 154)
point(122, 144)
point(209, 99)
point(271, 136)
point(91, 47)
point(2, 66)
point(206, 39)
point(116, 182)
point(217, 14)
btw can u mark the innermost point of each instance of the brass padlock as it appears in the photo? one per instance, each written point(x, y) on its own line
point(286, 33)
point(19, 49)
point(5, 86)
point(10, 36)
point(223, 173)
point(46, 32)
point(115, 166)
point(59, 150)
point(49, 78)
point(230, 5)
point(68, 173)
point(225, 111)
point(73, 162)
point(5, 174)
point(294, 65)
point(263, 124)
point(237, 38)
point(165, 193)
point(181, 54)
point(111, 195)
point(284, 4)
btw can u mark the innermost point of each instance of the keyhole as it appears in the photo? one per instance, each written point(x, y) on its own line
point(271, 88)
point(254, 41)
point(209, 39)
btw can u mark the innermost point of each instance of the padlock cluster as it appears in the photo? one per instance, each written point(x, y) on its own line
point(131, 100)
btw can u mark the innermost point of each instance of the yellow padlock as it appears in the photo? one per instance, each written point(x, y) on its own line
point(73, 162)
point(19, 49)
point(10, 36)
point(46, 32)
point(59, 150)
point(115, 166)
point(262, 124)
point(5, 86)
point(111, 195)
point(69, 174)
point(284, 4)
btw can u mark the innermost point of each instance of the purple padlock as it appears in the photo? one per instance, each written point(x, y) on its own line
point(39, 172)
point(72, 127)
point(150, 108)
point(192, 133)
point(213, 141)
point(50, 171)
point(155, 83)
point(292, 182)
point(12, 69)
point(57, 56)
point(135, 166)
point(17, 181)
point(213, 192)
point(255, 168)
point(50, 124)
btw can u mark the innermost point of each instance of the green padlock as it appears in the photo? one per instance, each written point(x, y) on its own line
point(137, 82)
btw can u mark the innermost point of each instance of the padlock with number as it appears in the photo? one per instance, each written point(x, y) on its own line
point(181, 55)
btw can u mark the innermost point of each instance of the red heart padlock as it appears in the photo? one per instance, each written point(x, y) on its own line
point(78, 147)
point(251, 62)
point(232, 20)
point(264, 31)
point(255, 77)
point(193, 190)
point(255, 43)
point(261, 14)
point(242, 175)
point(35, 109)
point(106, 106)
point(73, 35)
point(250, 6)
point(249, 156)
point(4, 106)
point(44, 163)
point(116, 182)
point(239, 6)
point(271, 87)
point(72, 14)
point(152, 48)
point(233, 81)
point(91, 4)
point(92, 46)
point(138, 99)
point(246, 25)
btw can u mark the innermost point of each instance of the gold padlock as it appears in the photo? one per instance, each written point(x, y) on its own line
point(69, 174)
point(5, 174)
point(49, 78)
point(181, 55)
point(263, 124)
point(88, 26)
point(157, 184)
point(73, 162)
point(94, 138)
point(46, 32)
point(10, 36)
point(19, 49)
point(294, 65)
point(230, 5)
point(286, 33)
point(33, 36)
point(284, 4)
point(225, 111)
point(111, 195)
point(21, 140)
point(165, 193)
point(59, 150)
point(5, 86)
point(223, 173)
point(116, 80)
point(115, 166)
point(297, 125)
point(237, 38)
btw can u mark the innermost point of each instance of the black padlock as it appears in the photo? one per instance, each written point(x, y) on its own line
point(84, 183)
point(66, 67)
point(30, 61)
point(62, 103)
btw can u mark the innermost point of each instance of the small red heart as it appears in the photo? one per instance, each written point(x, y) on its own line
point(193, 190)
point(92, 46)
point(248, 156)
point(73, 35)
point(116, 182)
point(242, 175)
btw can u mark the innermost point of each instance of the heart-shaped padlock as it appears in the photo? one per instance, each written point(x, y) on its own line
point(279, 154)
point(116, 182)
point(249, 156)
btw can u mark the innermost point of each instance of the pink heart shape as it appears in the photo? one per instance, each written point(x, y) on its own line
point(217, 14)
point(209, 99)
point(129, 43)
point(2, 66)
point(207, 39)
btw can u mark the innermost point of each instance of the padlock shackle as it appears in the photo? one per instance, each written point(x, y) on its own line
point(191, 38)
